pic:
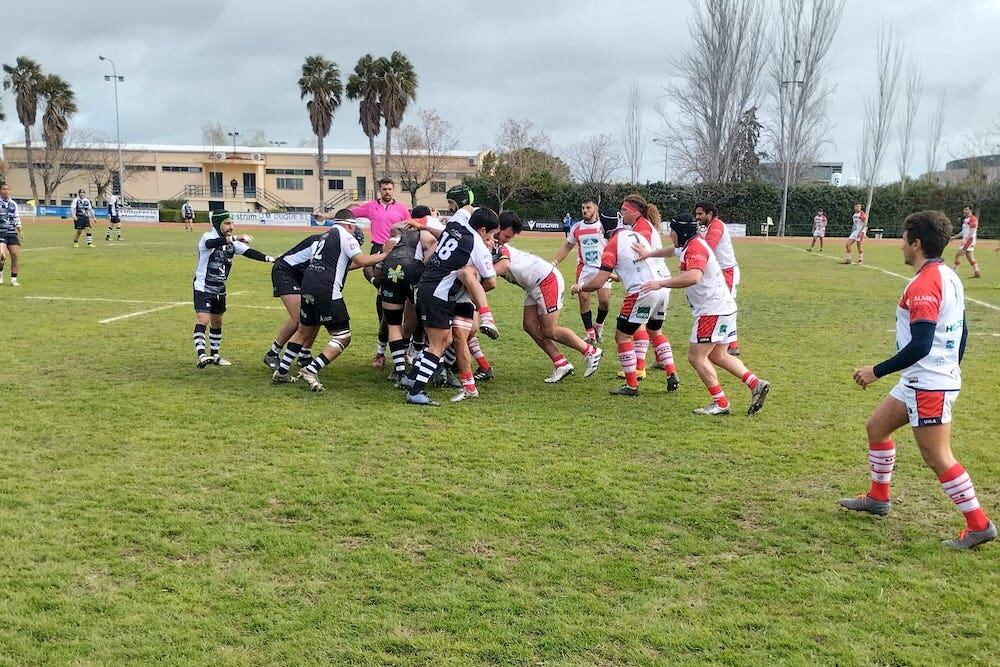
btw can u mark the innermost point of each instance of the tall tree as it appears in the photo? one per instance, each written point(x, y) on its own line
point(745, 161)
point(365, 86)
point(399, 88)
point(632, 139)
point(880, 109)
point(934, 129)
point(320, 82)
point(718, 78)
point(422, 151)
point(594, 159)
point(797, 82)
point(60, 104)
point(24, 79)
point(506, 170)
point(911, 102)
point(213, 134)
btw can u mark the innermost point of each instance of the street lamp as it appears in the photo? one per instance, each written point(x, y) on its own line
point(115, 78)
point(666, 155)
point(789, 85)
point(234, 134)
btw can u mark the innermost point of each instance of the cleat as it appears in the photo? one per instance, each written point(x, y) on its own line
point(271, 361)
point(404, 383)
point(866, 503)
point(846, 262)
point(599, 332)
point(203, 360)
point(673, 382)
point(625, 390)
point(302, 362)
point(91, 246)
point(559, 373)
point(281, 378)
point(219, 361)
point(394, 376)
point(420, 399)
point(14, 283)
point(312, 380)
point(378, 361)
point(1, 276)
point(734, 351)
point(75, 244)
point(970, 539)
point(809, 249)
point(481, 375)
point(712, 409)
point(861, 261)
point(593, 361)
point(757, 396)
point(452, 380)
point(977, 275)
point(464, 394)
point(489, 328)
point(639, 375)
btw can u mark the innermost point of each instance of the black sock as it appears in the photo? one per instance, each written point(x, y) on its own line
point(13, 274)
point(588, 320)
point(275, 349)
point(421, 373)
point(601, 315)
point(199, 339)
point(291, 351)
point(317, 364)
point(215, 339)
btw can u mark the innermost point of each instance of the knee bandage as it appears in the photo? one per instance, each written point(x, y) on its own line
point(341, 338)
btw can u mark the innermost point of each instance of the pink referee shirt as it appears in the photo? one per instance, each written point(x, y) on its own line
point(383, 217)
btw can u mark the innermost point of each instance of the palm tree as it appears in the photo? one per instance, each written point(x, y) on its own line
point(320, 81)
point(399, 89)
point(60, 104)
point(25, 78)
point(365, 85)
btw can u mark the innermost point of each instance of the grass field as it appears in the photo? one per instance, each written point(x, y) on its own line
point(154, 513)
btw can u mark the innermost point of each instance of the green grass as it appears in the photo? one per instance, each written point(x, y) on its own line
point(151, 512)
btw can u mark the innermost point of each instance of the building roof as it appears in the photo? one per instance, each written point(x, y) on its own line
point(197, 148)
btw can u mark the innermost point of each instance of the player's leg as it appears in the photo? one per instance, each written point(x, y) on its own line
point(469, 278)
point(461, 332)
point(890, 415)
point(292, 304)
point(603, 307)
point(847, 251)
point(89, 232)
point(861, 249)
point(811, 245)
point(200, 330)
point(640, 341)
point(973, 263)
point(438, 339)
point(215, 334)
point(731, 275)
point(821, 243)
point(392, 313)
point(14, 248)
point(759, 388)
point(699, 357)
point(958, 259)
point(306, 331)
point(340, 337)
point(664, 353)
point(587, 316)
point(3, 257)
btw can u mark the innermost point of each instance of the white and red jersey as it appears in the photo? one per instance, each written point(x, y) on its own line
point(651, 234)
point(970, 226)
point(860, 222)
point(717, 237)
point(710, 295)
point(524, 269)
point(935, 295)
point(819, 224)
point(589, 240)
point(621, 258)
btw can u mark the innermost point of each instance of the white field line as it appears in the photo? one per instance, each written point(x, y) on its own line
point(80, 298)
point(888, 273)
point(143, 312)
point(69, 247)
point(164, 305)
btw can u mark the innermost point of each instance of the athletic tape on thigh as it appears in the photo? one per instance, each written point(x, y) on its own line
point(341, 338)
point(463, 323)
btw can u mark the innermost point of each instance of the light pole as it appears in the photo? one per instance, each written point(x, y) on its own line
point(118, 132)
point(789, 85)
point(234, 134)
point(666, 155)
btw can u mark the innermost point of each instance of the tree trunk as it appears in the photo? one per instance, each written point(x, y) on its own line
point(319, 169)
point(388, 145)
point(413, 198)
point(371, 149)
point(868, 205)
point(31, 164)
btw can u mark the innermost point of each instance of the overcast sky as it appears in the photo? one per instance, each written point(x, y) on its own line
point(565, 64)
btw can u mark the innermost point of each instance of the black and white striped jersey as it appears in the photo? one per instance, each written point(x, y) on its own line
point(113, 206)
point(81, 208)
point(458, 247)
point(215, 260)
point(296, 259)
point(187, 210)
point(331, 258)
point(9, 218)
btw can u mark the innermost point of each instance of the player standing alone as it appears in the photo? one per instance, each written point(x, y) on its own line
point(114, 216)
point(83, 214)
point(931, 333)
point(819, 230)
point(859, 229)
point(187, 212)
point(587, 236)
point(970, 225)
point(10, 234)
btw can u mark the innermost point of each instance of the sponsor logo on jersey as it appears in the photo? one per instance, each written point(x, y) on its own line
point(642, 311)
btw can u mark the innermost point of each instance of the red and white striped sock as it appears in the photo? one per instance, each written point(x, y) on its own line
point(958, 485)
point(590, 350)
point(750, 380)
point(881, 460)
point(640, 343)
point(477, 354)
point(664, 353)
point(468, 382)
point(559, 361)
point(486, 314)
point(626, 357)
point(975, 267)
point(719, 396)
point(592, 333)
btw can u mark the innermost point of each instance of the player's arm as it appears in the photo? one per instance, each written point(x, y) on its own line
point(596, 281)
point(921, 340)
point(242, 247)
point(680, 281)
point(361, 260)
point(642, 252)
point(565, 248)
point(714, 235)
point(390, 244)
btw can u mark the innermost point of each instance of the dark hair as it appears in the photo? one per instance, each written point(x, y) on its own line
point(589, 200)
point(968, 206)
point(509, 219)
point(707, 207)
point(384, 180)
point(686, 218)
point(344, 214)
point(3, 183)
point(857, 203)
point(638, 201)
point(420, 211)
point(933, 228)
point(484, 218)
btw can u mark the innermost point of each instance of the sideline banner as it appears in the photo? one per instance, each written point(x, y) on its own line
point(544, 225)
point(128, 214)
point(273, 219)
point(736, 229)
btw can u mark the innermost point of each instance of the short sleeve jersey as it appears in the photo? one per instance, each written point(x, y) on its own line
point(708, 296)
point(935, 295)
point(589, 240)
point(10, 219)
point(113, 206)
point(81, 208)
point(819, 224)
point(326, 272)
point(187, 210)
point(718, 239)
point(215, 263)
point(524, 269)
point(458, 247)
point(621, 258)
point(296, 259)
point(652, 236)
point(970, 226)
point(859, 221)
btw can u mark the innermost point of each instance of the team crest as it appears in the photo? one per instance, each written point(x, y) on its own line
point(396, 273)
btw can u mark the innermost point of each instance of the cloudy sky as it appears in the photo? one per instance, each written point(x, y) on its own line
point(565, 64)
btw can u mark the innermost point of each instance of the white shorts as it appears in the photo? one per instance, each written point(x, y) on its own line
point(638, 309)
point(925, 407)
point(858, 236)
point(585, 272)
point(714, 329)
point(818, 234)
point(547, 295)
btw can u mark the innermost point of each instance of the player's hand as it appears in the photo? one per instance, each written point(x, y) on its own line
point(650, 286)
point(244, 238)
point(575, 289)
point(640, 251)
point(865, 376)
point(269, 259)
point(615, 278)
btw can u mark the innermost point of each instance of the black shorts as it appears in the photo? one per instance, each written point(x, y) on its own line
point(399, 279)
point(435, 313)
point(323, 311)
point(116, 220)
point(10, 238)
point(465, 309)
point(283, 281)
point(214, 304)
point(81, 223)
point(188, 219)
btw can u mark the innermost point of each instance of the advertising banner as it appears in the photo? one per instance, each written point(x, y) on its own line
point(544, 225)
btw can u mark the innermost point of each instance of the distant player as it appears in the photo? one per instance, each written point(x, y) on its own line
point(714, 311)
point(82, 212)
point(587, 237)
point(286, 281)
point(859, 229)
point(819, 230)
point(187, 212)
point(323, 305)
point(931, 333)
point(10, 234)
point(114, 216)
point(970, 226)
point(216, 250)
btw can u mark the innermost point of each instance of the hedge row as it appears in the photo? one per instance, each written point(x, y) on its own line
point(174, 215)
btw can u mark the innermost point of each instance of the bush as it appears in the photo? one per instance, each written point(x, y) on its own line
point(174, 215)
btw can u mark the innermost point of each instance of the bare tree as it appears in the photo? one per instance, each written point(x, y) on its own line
point(982, 179)
point(520, 145)
point(421, 151)
point(255, 138)
point(797, 82)
point(594, 159)
point(101, 163)
point(880, 109)
point(632, 139)
point(718, 78)
point(60, 160)
point(213, 134)
point(935, 126)
point(911, 103)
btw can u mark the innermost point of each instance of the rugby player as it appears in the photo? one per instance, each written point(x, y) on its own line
point(10, 234)
point(286, 281)
point(187, 212)
point(114, 216)
point(970, 226)
point(819, 230)
point(859, 228)
point(587, 237)
point(717, 237)
point(83, 214)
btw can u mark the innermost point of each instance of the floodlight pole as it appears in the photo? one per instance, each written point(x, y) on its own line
point(789, 85)
point(118, 132)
